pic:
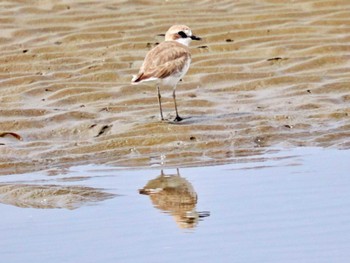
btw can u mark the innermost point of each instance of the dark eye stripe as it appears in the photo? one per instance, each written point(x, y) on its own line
point(182, 34)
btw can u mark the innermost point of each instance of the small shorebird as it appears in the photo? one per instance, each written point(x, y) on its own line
point(168, 62)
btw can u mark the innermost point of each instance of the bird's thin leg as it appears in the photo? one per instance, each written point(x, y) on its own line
point(160, 103)
point(177, 118)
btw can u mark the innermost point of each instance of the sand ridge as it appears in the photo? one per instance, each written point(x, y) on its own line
point(267, 74)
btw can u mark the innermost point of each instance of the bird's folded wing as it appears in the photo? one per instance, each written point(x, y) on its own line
point(169, 68)
point(164, 60)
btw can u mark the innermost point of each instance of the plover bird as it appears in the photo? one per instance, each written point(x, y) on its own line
point(168, 62)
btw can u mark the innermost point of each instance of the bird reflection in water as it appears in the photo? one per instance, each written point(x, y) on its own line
point(175, 195)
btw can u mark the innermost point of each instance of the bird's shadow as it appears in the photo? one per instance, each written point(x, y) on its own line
point(206, 118)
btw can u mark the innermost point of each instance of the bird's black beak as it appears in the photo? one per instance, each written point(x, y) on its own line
point(195, 38)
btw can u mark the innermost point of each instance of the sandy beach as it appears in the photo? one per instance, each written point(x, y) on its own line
point(267, 74)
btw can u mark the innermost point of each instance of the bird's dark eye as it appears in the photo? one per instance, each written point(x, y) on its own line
point(182, 34)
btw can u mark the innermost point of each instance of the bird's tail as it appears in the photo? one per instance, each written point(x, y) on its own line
point(136, 78)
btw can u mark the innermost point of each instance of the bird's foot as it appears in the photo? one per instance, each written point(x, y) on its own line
point(161, 117)
point(178, 118)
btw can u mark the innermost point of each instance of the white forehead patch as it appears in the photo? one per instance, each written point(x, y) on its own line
point(188, 32)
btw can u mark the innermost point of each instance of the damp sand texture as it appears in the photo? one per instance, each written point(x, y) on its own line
point(266, 74)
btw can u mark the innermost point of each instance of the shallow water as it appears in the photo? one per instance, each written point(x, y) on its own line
point(290, 206)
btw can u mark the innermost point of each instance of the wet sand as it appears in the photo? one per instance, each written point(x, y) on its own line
point(267, 74)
